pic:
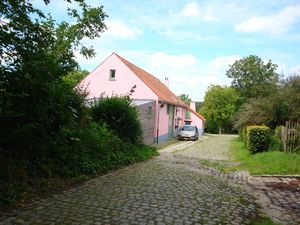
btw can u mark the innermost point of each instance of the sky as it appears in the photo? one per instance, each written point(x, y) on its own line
point(193, 43)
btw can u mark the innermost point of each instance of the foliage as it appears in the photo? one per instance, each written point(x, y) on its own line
point(265, 110)
point(272, 162)
point(36, 105)
point(290, 89)
point(252, 77)
point(120, 116)
point(198, 106)
point(218, 108)
point(281, 105)
point(257, 138)
point(45, 126)
point(275, 143)
point(185, 98)
point(74, 77)
point(264, 221)
point(94, 150)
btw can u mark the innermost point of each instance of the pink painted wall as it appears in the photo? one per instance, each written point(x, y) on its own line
point(98, 81)
point(163, 120)
point(195, 119)
point(179, 113)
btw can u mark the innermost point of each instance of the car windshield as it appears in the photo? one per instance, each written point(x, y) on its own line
point(188, 128)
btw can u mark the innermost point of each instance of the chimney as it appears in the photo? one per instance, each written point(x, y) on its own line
point(193, 105)
point(167, 81)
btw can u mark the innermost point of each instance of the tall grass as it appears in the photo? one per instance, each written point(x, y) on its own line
point(272, 162)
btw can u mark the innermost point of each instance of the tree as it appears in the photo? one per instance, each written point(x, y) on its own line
point(185, 98)
point(252, 77)
point(219, 107)
point(74, 77)
point(290, 91)
point(37, 107)
point(281, 105)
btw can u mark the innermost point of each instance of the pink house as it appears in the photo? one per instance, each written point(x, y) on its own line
point(161, 111)
point(196, 119)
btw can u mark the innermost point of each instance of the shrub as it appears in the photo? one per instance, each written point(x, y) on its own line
point(120, 116)
point(275, 143)
point(258, 138)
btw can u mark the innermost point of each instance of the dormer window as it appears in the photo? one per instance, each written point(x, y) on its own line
point(112, 74)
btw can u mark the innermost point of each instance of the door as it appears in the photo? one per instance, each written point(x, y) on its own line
point(170, 111)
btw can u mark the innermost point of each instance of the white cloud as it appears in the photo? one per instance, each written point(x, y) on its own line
point(208, 15)
point(295, 70)
point(220, 64)
point(160, 59)
point(193, 9)
point(272, 24)
point(187, 36)
point(119, 30)
point(188, 75)
point(190, 9)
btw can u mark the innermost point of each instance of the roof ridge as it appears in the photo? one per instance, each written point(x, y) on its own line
point(136, 66)
point(158, 87)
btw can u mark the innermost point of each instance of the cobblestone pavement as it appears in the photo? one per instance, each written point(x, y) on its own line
point(163, 190)
point(279, 196)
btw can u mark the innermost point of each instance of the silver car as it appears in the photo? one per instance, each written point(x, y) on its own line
point(188, 132)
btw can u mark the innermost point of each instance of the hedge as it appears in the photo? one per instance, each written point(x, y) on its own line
point(258, 138)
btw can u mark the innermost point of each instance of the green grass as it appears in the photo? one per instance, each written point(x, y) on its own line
point(264, 221)
point(222, 166)
point(272, 162)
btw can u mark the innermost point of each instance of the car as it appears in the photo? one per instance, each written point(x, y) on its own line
point(188, 132)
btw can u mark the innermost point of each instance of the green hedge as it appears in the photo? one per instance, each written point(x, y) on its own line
point(120, 116)
point(258, 138)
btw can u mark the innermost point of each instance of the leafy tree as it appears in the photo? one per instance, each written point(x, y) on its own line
point(219, 107)
point(290, 92)
point(38, 110)
point(74, 77)
point(281, 105)
point(185, 98)
point(252, 77)
point(198, 106)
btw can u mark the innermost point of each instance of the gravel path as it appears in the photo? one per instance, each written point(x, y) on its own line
point(159, 191)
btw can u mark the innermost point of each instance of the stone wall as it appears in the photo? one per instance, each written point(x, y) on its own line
point(147, 118)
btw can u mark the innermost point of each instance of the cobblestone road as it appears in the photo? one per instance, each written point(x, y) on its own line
point(170, 189)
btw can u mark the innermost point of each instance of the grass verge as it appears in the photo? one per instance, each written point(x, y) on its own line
point(264, 221)
point(272, 162)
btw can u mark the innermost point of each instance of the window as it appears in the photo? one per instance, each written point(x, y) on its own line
point(112, 74)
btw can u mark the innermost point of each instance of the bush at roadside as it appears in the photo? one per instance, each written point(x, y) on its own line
point(258, 138)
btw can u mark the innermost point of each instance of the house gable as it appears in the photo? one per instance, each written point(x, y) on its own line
point(113, 77)
point(161, 90)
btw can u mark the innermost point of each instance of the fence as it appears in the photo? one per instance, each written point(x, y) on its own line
point(290, 136)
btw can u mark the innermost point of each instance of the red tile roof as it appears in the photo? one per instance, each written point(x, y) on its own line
point(162, 91)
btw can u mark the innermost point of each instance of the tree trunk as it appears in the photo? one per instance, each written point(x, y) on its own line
point(220, 129)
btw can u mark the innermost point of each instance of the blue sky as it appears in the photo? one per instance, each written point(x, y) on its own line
point(194, 42)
